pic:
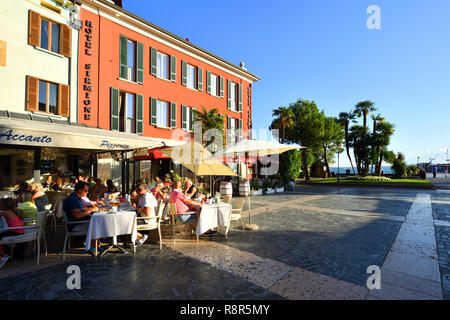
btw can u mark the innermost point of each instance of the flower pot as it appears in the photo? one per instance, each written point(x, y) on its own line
point(279, 190)
point(269, 191)
point(255, 192)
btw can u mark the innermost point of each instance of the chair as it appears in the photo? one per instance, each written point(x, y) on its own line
point(173, 214)
point(226, 199)
point(73, 233)
point(153, 225)
point(236, 213)
point(32, 233)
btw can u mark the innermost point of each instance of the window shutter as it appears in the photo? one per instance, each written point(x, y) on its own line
point(123, 57)
point(221, 87)
point(114, 109)
point(65, 40)
point(241, 131)
point(240, 97)
point(140, 62)
point(153, 54)
point(153, 111)
point(183, 73)
point(34, 28)
point(32, 93)
point(139, 114)
point(64, 100)
point(200, 79)
point(173, 68)
point(183, 117)
point(208, 82)
point(173, 115)
point(228, 94)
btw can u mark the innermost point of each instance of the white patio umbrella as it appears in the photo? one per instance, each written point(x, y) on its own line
point(248, 148)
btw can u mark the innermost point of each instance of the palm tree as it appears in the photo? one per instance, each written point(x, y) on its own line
point(344, 119)
point(210, 119)
point(375, 118)
point(284, 119)
point(363, 109)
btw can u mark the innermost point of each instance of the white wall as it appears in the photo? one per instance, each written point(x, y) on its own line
point(23, 59)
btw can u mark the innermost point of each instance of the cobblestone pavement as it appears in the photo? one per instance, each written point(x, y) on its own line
point(314, 243)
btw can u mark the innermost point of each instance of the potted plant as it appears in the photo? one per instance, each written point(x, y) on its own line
point(268, 187)
point(255, 188)
point(279, 186)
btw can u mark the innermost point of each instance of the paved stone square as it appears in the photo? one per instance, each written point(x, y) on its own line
point(314, 243)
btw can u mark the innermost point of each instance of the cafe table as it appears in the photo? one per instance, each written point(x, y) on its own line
point(213, 216)
point(112, 224)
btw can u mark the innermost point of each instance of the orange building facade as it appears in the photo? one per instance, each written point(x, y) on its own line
point(136, 77)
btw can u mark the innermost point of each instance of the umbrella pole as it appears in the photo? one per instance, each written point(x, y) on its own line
point(249, 226)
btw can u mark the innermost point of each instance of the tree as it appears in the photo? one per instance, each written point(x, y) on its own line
point(307, 129)
point(332, 136)
point(399, 166)
point(290, 165)
point(284, 119)
point(355, 137)
point(210, 119)
point(381, 139)
point(344, 119)
point(362, 109)
point(374, 151)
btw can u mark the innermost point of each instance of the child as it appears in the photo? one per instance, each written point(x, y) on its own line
point(14, 219)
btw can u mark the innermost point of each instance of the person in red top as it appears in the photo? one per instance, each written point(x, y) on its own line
point(14, 219)
point(184, 204)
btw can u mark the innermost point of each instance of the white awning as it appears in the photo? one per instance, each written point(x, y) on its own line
point(44, 134)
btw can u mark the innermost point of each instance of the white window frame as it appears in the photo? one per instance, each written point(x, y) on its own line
point(162, 70)
point(233, 104)
point(131, 75)
point(162, 107)
point(214, 82)
point(190, 76)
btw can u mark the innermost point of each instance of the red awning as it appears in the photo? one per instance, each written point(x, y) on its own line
point(153, 154)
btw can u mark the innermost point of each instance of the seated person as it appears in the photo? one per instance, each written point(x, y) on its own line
point(26, 204)
point(157, 191)
point(99, 189)
point(23, 187)
point(14, 219)
point(48, 182)
point(110, 187)
point(39, 197)
point(146, 208)
point(92, 203)
point(75, 210)
point(134, 198)
point(58, 185)
point(184, 204)
point(191, 190)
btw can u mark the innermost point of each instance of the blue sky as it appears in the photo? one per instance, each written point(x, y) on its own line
point(322, 50)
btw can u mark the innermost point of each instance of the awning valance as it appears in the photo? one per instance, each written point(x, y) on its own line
point(37, 133)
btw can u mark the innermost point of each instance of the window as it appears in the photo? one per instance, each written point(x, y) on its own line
point(131, 63)
point(49, 36)
point(162, 114)
point(48, 97)
point(214, 80)
point(187, 118)
point(190, 77)
point(127, 112)
point(233, 96)
point(162, 66)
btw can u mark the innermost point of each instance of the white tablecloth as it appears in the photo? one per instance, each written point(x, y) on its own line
point(213, 216)
point(103, 225)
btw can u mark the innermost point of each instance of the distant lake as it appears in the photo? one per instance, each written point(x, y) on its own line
point(342, 170)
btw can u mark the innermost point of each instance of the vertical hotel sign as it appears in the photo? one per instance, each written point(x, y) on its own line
point(87, 77)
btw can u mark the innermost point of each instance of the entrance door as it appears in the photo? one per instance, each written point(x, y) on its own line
point(5, 172)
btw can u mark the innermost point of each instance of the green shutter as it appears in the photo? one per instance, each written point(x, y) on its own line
point(221, 87)
point(200, 79)
point(228, 94)
point(173, 115)
point(140, 62)
point(139, 114)
point(240, 97)
point(208, 82)
point(153, 61)
point(153, 111)
point(173, 68)
point(183, 72)
point(114, 109)
point(123, 57)
point(184, 125)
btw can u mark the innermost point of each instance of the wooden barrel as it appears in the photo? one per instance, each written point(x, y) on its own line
point(244, 189)
point(226, 189)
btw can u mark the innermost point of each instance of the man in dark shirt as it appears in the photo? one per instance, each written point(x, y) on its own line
point(75, 210)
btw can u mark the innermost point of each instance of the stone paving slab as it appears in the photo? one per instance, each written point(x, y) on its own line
point(390, 292)
point(422, 286)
